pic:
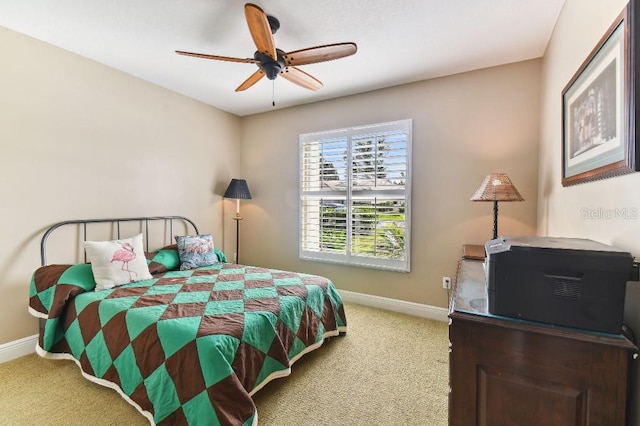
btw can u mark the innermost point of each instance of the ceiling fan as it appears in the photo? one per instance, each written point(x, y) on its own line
point(272, 61)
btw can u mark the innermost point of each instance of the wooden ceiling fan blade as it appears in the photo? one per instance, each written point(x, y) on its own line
point(253, 79)
point(219, 58)
point(260, 30)
point(301, 78)
point(327, 52)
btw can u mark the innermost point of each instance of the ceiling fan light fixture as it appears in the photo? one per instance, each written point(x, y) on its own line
point(271, 70)
point(270, 67)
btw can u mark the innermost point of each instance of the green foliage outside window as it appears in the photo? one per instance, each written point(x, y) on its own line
point(375, 235)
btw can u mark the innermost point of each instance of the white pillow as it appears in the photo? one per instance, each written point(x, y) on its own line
point(117, 262)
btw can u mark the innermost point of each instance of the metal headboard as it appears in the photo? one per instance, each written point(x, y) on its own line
point(116, 221)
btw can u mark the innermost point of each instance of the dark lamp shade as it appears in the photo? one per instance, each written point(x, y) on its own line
point(238, 189)
point(497, 187)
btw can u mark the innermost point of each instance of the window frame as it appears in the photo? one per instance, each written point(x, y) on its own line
point(349, 258)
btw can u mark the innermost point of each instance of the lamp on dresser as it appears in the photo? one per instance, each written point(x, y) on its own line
point(237, 190)
point(496, 187)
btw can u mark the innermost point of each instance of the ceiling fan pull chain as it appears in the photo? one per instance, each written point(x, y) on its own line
point(273, 93)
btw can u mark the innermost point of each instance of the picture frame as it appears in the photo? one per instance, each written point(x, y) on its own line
point(599, 108)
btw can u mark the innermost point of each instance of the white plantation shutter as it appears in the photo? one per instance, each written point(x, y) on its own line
point(355, 195)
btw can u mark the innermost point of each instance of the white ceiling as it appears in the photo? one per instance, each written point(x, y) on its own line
point(399, 41)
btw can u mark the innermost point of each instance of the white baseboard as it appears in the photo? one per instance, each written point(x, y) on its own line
point(404, 307)
point(18, 348)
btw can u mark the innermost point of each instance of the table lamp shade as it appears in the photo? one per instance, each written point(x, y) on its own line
point(497, 187)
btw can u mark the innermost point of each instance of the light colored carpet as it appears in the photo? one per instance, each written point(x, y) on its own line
point(390, 369)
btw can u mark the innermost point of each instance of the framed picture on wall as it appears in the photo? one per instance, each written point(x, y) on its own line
point(598, 109)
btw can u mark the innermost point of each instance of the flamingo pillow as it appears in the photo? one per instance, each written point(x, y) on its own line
point(117, 262)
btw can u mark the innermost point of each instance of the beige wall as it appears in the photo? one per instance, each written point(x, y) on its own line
point(561, 210)
point(81, 140)
point(464, 127)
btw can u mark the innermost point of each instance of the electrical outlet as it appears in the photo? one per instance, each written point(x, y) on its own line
point(235, 257)
point(446, 283)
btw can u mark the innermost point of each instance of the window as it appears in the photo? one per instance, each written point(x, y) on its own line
point(355, 187)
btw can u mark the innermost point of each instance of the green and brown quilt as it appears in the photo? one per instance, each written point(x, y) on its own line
point(186, 347)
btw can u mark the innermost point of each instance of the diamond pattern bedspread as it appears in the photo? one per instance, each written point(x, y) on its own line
point(188, 347)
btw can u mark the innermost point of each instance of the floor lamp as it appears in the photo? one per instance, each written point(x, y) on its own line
point(238, 190)
point(496, 187)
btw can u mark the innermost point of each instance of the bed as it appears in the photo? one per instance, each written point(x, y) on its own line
point(185, 344)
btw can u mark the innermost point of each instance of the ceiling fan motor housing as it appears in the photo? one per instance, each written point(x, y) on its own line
point(270, 66)
point(274, 24)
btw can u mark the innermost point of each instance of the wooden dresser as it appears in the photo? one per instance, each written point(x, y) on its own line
point(506, 371)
